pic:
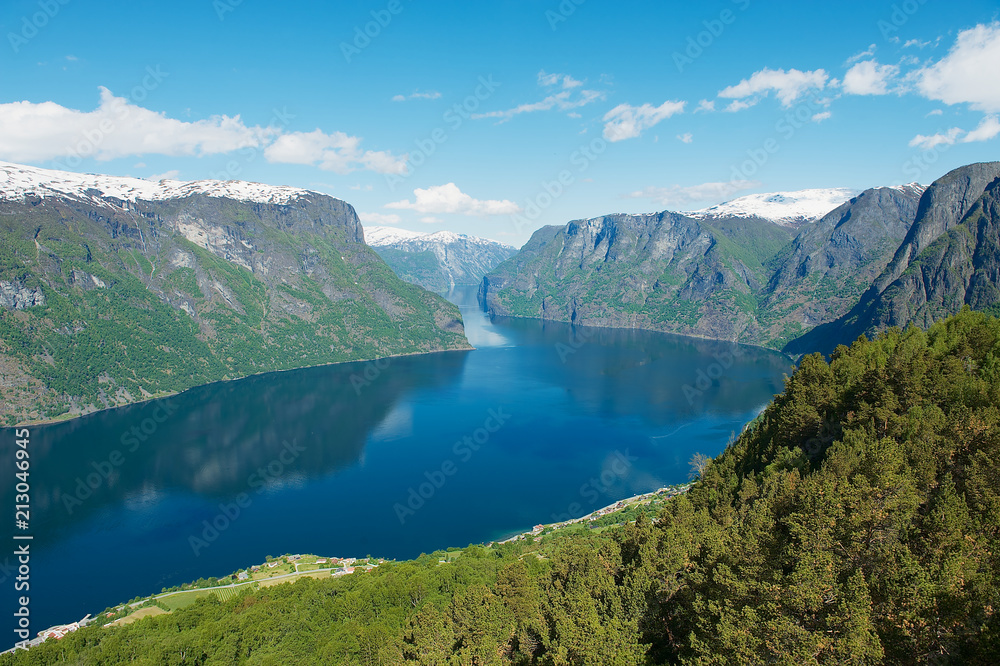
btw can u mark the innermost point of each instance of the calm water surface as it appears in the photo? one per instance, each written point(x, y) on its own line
point(325, 459)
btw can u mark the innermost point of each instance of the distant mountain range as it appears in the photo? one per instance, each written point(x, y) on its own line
point(760, 270)
point(440, 260)
point(116, 289)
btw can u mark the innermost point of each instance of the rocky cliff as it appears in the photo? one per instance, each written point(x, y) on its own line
point(115, 289)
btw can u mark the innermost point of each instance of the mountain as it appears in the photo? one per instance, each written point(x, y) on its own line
point(931, 273)
point(115, 289)
point(662, 271)
point(733, 276)
point(830, 263)
point(437, 261)
point(790, 209)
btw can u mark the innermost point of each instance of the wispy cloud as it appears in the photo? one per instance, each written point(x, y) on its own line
point(677, 195)
point(417, 95)
point(870, 51)
point(571, 96)
point(687, 137)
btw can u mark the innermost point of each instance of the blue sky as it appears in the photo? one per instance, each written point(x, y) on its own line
point(496, 118)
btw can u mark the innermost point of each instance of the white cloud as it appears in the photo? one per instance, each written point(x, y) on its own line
point(628, 122)
point(942, 138)
point(867, 53)
point(739, 105)
point(562, 101)
point(430, 219)
point(687, 137)
point(821, 116)
point(967, 75)
point(417, 95)
point(920, 44)
point(869, 78)
point(449, 199)
point(788, 86)
point(935, 112)
point(988, 128)
point(549, 80)
point(676, 195)
point(567, 99)
point(378, 219)
point(32, 132)
point(167, 175)
point(335, 152)
point(705, 106)
point(358, 187)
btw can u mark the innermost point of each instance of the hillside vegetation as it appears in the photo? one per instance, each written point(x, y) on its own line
point(104, 302)
point(856, 521)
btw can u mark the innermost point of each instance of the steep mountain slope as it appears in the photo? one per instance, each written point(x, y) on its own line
point(437, 261)
point(114, 289)
point(733, 277)
point(827, 267)
point(961, 267)
point(661, 271)
point(943, 206)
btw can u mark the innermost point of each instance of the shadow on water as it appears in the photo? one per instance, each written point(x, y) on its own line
point(214, 440)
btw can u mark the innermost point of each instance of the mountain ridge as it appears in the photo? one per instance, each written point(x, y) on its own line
point(106, 300)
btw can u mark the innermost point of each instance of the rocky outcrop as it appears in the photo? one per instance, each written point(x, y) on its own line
point(16, 296)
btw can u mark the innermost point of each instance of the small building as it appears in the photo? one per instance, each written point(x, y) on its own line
point(242, 575)
point(321, 560)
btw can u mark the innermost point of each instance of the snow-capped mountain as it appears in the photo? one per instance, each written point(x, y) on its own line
point(439, 260)
point(18, 181)
point(789, 209)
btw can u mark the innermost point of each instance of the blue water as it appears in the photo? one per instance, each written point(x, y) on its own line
point(323, 460)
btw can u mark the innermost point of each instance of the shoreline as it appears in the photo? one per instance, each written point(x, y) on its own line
point(70, 417)
point(703, 338)
point(666, 492)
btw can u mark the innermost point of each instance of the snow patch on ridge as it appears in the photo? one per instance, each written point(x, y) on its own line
point(790, 209)
point(18, 181)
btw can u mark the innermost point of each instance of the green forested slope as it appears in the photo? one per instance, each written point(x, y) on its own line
point(855, 522)
point(117, 303)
